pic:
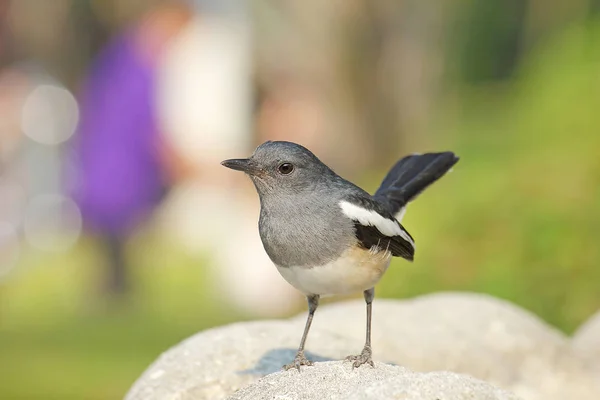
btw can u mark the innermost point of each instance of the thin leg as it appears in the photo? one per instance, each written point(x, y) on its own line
point(117, 282)
point(313, 303)
point(365, 357)
point(369, 295)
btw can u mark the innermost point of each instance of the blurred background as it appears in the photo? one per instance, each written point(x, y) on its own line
point(120, 233)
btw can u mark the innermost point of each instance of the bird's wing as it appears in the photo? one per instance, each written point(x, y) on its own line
point(375, 226)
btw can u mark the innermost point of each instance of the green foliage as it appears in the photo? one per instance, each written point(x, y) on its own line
point(520, 216)
point(488, 39)
point(59, 341)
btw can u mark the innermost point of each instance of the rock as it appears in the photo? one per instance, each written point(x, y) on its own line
point(337, 380)
point(215, 363)
point(489, 339)
point(586, 341)
point(474, 334)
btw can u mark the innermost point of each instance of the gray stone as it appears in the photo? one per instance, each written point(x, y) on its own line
point(337, 380)
point(586, 342)
point(489, 339)
point(474, 334)
point(215, 363)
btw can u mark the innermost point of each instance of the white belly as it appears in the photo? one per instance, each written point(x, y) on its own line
point(355, 271)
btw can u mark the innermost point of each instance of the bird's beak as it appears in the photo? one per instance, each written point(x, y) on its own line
point(241, 164)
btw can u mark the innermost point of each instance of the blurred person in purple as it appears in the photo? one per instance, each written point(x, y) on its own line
point(121, 173)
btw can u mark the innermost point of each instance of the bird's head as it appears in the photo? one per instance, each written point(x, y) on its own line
point(282, 168)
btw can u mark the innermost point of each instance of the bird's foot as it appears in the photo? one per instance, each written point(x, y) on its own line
point(365, 357)
point(299, 360)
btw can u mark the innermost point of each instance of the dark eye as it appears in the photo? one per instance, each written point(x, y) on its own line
point(285, 168)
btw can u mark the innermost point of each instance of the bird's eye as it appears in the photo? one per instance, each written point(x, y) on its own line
point(285, 168)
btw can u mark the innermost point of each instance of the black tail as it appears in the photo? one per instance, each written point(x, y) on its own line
point(411, 175)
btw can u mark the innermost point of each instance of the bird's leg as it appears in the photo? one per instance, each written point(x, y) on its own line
point(365, 357)
point(300, 359)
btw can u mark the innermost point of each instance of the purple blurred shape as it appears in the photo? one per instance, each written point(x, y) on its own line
point(119, 178)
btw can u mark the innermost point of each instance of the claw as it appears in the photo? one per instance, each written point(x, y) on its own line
point(365, 357)
point(299, 360)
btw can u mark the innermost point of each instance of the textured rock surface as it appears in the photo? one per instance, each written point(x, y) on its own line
point(215, 363)
point(477, 335)
point(337, 380)
point(586, 341)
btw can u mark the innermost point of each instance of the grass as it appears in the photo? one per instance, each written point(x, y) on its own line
point(59, 340)
point(82, 358)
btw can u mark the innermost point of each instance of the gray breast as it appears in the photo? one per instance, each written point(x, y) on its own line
point(304, 231)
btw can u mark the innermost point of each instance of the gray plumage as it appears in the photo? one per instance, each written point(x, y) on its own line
point(301, 223)
point(327, 235)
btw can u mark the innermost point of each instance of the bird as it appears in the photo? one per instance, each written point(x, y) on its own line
point(327, 236)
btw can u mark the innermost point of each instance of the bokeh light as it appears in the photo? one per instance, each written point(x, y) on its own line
point(52, 222)
point(50, 114)
point(9, 248)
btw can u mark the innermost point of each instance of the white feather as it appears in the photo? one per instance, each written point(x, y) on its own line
point(400, 214)
point(366, 217)
point(355, 270)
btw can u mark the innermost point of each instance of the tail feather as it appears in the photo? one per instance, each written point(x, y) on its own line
point(410, 176)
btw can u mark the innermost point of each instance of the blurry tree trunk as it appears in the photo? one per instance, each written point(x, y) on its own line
point(302, 42)
point(375, 64)
point(398, 73)
point(543, 17)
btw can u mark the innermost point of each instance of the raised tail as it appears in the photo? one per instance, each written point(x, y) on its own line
point(410, 176)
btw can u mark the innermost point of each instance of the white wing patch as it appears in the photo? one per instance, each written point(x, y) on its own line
point(372, 218)
point(400, 214)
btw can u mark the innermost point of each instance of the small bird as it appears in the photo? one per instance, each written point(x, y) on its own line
point(327, 236)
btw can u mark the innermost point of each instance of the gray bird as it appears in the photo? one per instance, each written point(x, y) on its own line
point(327, 236)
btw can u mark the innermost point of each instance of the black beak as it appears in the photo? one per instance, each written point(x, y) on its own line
point(241, 164)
